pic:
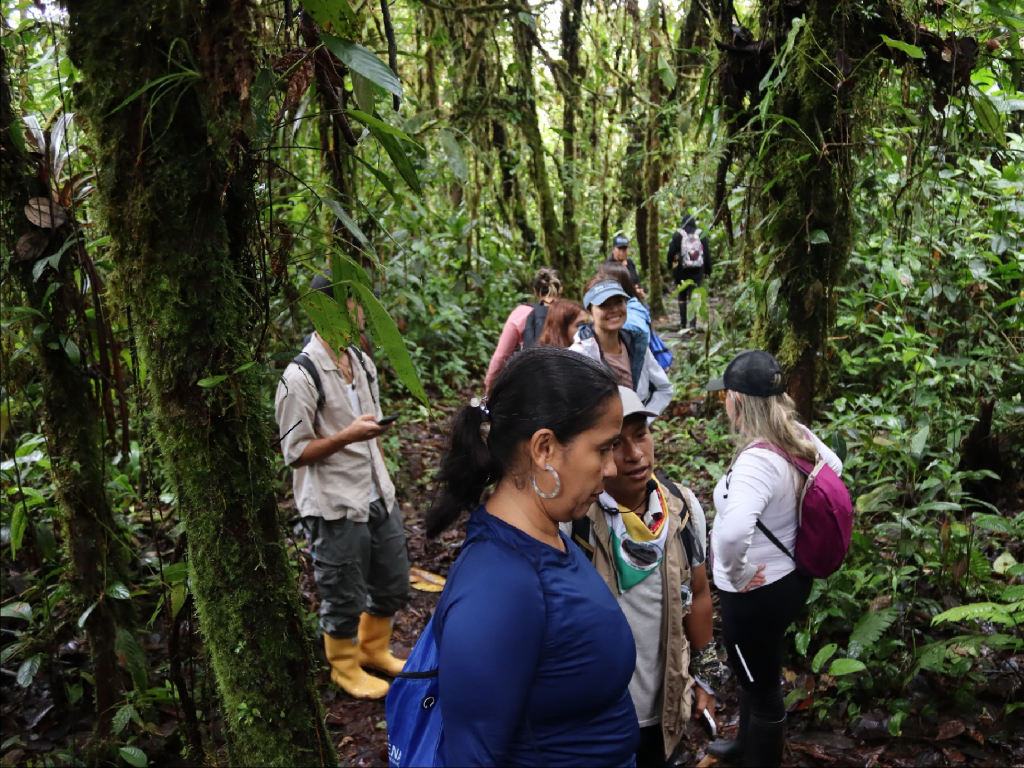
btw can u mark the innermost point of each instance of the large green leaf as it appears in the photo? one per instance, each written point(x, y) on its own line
point(386, 332)
point(988, 117)
point(382, 177)
point(331, 320)
point(371, 122)
point(919, 442)
point(911, 50)
point(347, 220)
point(134, 757)
point(399, 158)
point(337, 13)
point(126, 647)
point(344, 270)
point(846, 667)
point(822, 656)
point(362, 87)
point(365, 62)
point(452, 150)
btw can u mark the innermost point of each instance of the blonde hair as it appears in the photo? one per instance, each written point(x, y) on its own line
point(770, 420)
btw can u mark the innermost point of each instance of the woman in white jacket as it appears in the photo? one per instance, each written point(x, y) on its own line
point(760, 590)
point(606, 342)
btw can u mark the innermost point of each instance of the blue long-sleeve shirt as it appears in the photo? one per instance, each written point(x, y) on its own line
point(535, 656)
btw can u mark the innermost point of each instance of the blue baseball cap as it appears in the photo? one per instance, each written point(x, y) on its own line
point(620, 241)
point(601, 292)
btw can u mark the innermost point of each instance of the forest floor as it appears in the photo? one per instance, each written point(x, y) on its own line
point(39, 724)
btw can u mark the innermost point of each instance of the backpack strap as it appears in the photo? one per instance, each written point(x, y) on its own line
point(761, 526)
point(581, 535)
point(686, 535)
point(774, 539)
point(305, 362)
point(369, 376)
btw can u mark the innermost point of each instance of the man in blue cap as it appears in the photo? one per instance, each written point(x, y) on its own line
point(620, 255)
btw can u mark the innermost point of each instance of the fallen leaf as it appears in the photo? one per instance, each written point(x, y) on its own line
point(789, 674)
point(953, 756)
point(31, 245)
point(880, 602)
point(425, 581)
point(708, 760)
point(976, 735)
point(45, 213)
point(950, 728)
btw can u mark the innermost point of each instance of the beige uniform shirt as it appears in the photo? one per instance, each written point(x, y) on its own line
point(341, 485)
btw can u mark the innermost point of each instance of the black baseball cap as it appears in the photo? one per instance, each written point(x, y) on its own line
point(620, 241)
point(753, 372)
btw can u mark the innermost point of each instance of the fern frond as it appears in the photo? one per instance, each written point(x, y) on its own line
point(869, 630)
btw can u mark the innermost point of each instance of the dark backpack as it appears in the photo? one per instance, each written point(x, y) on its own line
point(534, 325)
point(824, 518)
point(693, 548)
point(305, 362)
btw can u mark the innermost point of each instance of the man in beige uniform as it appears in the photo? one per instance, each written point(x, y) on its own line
point(347, 503)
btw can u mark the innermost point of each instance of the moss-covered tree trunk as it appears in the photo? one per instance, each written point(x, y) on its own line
point(165, 88)
point(529, 124)
point(98, 557)
point(809, 208)
point(571, 21)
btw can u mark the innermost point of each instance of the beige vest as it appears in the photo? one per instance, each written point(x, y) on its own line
point(675, 571)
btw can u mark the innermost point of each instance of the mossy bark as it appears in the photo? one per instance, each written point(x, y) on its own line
point(72, 423)
point(808, 208)
point(529, 124)
point(165, 90)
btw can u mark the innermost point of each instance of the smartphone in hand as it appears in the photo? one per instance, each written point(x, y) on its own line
point(387, 420)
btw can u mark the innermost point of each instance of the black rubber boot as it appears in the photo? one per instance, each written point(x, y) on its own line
point(731, 750)
point(764, 743)
point(682, 316)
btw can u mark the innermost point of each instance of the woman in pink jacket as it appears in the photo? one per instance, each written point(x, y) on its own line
point(526, 322)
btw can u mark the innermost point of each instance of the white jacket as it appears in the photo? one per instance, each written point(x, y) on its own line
point(653, 386)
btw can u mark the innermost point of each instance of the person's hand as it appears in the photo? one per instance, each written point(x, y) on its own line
point(704, 701)
point(756, 581)
point(362, 429)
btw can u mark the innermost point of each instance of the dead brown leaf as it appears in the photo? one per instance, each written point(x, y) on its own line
point(707, 761)
point(31, 245)
point(950, 729)
point(45, 213)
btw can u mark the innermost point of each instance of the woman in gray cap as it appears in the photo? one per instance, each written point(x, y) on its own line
point(760, 590)
point(605, 341)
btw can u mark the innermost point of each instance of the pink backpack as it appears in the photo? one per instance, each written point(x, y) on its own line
point(824, 518)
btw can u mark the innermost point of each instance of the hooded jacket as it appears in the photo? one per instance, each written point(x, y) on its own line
point(689, 225)
point(651, 383)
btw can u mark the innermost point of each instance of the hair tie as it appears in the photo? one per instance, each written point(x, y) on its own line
point(481, 403)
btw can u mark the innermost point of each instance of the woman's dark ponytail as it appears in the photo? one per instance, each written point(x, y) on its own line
point(539, 388)
point(465, 470)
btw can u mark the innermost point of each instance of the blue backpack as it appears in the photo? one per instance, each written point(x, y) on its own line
point(660, 351)
point(415, 731)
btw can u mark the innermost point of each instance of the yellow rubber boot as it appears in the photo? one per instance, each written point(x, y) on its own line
point(343, 656)
point(374, 637)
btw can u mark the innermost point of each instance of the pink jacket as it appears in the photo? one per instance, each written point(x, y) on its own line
point(509, 343)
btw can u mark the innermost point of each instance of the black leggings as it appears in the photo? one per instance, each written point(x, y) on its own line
point(697, 275)
point(755, 622)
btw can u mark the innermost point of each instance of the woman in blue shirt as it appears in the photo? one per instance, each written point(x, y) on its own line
point(535, 653)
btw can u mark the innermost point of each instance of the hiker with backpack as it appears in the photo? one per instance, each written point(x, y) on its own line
point(533, 654)
point(764, 506)
point(689, 258)
point(564, 319)
point(525, 323)
point(647, 537)
point(634, 365)
point(327, 408)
